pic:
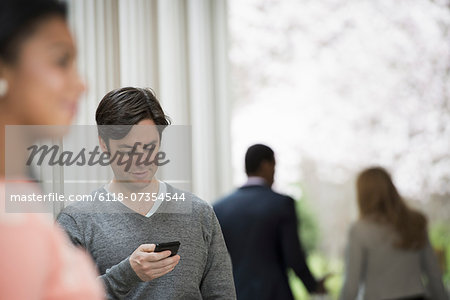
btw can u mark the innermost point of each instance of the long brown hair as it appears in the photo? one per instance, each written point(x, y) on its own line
point(379, 200)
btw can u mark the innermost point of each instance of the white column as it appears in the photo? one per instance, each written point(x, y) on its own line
point(222, 97)
point(202, 94)
point(138, 43)
point(95, 26)
point(173, 64)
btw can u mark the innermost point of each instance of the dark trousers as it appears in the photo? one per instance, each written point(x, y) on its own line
point(418, 297)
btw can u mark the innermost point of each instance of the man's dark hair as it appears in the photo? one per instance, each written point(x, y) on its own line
point(255, 155)
point(126, 107)
point(19, 19)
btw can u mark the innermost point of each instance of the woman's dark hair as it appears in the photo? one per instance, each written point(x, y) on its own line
point(126, 107)
point(255, 155)
point(19, 19)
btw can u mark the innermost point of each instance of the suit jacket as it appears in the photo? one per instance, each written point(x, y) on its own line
point(260, 231)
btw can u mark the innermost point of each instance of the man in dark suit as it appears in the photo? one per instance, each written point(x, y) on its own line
point(260, 231)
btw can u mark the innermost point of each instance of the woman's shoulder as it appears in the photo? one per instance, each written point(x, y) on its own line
point(58, 269)
point(366, 226)
point(373, 233)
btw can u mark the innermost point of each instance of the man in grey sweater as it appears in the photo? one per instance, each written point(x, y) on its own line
point(120, 234)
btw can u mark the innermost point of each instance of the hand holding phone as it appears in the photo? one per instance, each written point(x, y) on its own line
point(172, 246)
point(149, 263)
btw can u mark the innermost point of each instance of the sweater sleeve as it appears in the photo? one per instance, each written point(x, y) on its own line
point(70, 226)
point(119, 279)
point(217, 281)
point(433, 273)
point(354, 270)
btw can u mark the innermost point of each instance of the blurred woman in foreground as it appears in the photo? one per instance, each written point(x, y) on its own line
point(39, 85)
point(388, 249)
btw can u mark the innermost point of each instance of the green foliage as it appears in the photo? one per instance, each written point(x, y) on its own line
point(320, 266)
point(440, 239)
point(308, 228)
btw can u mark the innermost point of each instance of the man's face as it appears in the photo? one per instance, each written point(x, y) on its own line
point(144, 138)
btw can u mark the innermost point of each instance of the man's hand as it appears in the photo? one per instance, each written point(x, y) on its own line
point(149, 265)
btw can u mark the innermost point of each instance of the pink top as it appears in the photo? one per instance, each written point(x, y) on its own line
point(37, 260)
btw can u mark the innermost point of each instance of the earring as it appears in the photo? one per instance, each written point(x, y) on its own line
point(3, 87)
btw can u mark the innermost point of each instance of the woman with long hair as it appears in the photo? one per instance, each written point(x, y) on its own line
point(39, 85)
point(388, 250)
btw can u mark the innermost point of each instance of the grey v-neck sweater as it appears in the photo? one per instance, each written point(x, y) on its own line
point(110, 232)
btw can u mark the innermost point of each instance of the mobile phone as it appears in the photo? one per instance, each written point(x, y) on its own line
point(172, 246)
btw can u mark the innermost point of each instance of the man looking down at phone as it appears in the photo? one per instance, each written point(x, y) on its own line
point(121, 235)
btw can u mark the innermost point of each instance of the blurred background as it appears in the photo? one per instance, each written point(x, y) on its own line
point(332, 86)
point(336, 86)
